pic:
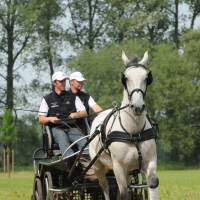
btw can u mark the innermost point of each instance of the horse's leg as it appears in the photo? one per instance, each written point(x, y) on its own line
point(153, 181)
point(121, 177)
point(128, 179)
point(99, 170)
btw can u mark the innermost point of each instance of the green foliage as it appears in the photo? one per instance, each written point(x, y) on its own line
point(29, 138)
point(89, 23)
point(173, 98)
point(8, 131)
point(103, 69)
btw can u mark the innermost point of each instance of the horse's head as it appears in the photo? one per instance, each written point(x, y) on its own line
point(136, 80)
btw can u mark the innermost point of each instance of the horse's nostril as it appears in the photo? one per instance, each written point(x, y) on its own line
point(132, 106)
point(137, 109)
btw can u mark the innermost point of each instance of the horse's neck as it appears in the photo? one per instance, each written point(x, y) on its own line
point(131, 122)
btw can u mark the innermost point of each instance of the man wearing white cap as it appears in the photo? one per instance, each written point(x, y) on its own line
point(58, 105)
point(76, 84)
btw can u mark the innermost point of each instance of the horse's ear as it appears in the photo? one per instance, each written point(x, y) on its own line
point(124, 58)
point(144, 59)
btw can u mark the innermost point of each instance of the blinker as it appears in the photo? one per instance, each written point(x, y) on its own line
point(149, 79)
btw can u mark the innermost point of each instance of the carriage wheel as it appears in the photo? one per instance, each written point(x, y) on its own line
point(37, 190)
point(48, 195)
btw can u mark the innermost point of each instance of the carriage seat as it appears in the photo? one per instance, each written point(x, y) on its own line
point(51, 147)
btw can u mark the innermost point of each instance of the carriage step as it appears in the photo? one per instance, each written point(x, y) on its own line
point(59, 190)
point(138, 186)
point(80, 185)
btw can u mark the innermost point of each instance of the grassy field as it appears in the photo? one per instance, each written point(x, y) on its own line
point(174, 185)
point(18, 188)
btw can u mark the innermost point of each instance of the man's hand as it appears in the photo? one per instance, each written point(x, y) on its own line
point(53, 119)
point(44, 120)
point(72, 115)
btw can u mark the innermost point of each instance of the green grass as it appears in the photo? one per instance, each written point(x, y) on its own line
point(179, 185)
point(18, 188)
point(174, 185)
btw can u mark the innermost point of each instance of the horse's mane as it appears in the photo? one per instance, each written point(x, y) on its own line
point(134, 59)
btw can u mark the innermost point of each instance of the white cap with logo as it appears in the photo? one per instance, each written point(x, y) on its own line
point(59, 76)
point(78, 76)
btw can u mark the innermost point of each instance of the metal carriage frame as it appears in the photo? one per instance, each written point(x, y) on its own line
point(64, 178)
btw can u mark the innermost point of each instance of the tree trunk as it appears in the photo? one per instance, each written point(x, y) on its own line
point(8, 162)
point(9, 100)
point(176, 32)
point(50, 61)
point(90, 35)
point(4, 162)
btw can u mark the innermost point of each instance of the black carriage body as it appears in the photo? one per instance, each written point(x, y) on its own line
point(58, 172)
point(54, 174)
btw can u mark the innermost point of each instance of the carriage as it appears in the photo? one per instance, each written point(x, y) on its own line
point(57, 179)
point(70, 178)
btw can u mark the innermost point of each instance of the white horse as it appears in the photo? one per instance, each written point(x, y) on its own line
point(123, 156)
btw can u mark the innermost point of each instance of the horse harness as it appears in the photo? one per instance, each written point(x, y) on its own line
point(123, 79)
point(119, 136)
point(115, 136)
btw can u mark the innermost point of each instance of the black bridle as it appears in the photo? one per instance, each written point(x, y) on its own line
point(149, 80)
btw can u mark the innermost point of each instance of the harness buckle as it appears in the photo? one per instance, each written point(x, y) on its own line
point(139, 155)
point(115, 104)
point(75, 183)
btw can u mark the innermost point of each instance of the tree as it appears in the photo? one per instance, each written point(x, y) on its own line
point(17, 20)
point(194, 7)
point(171, 99)
point(104, 82)
point(8, 132)
point(48, 41)
point(89, 23)
point(29, 138)
point(142, 19)
point(190, 43)
point(172, 93)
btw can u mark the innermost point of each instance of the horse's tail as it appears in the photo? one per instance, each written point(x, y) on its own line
point(85, 161)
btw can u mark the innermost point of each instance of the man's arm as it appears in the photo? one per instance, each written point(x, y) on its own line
point(44, 120)
point(96, 108)
point(80, 108)
point(43, 111)
point(93, 105)
point(78, 114)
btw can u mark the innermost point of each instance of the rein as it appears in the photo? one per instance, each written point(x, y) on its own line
point(56, 114)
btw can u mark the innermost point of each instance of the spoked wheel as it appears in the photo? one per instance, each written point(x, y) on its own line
point(47, 183)
point(37, 190)
point(139, 191)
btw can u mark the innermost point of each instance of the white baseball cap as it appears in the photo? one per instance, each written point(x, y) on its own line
point(78, 76)
point(59, 76)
